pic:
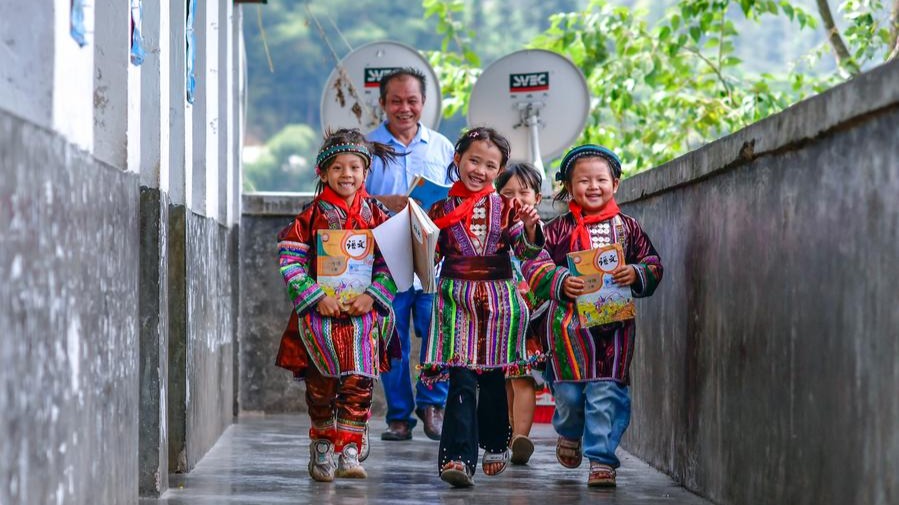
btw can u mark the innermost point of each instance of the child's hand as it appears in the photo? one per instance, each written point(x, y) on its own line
point(328, 307)
point(624, 275)
point(529, 216)
point(360, 305)
point(573, 286)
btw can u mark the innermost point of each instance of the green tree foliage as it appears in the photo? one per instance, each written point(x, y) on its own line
point(664, 85)
point(666, 76)
point(286, 162)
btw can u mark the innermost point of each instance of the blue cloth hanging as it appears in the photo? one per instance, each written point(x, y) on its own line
point(137, 16)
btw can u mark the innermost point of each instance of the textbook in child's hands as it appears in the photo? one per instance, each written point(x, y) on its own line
point(345, 261)
point(427, 191)
point(603, 301)
point(408, 242)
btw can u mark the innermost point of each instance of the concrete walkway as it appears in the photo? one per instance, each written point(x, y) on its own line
point(262, 460)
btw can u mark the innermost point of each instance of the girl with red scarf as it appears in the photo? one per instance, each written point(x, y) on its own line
point(589, 367)
point(338, 349)
point(479, 316)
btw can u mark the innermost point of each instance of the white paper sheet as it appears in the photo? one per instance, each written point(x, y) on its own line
point(395, 242)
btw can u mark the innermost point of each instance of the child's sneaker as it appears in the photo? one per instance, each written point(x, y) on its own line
point(601, 475)
point(321, 460)
point(348, 466)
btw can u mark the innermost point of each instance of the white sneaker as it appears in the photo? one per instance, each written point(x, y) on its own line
point(321, 460)
point(348, 466)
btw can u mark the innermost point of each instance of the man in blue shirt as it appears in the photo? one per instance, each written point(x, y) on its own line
point(428, 153)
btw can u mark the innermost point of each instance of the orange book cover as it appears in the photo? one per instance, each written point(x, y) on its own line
point(345, 261)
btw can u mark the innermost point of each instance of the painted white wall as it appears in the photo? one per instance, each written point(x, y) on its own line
point(112, 35)
point(45, 77)
point(26, 80)
point(73, 84)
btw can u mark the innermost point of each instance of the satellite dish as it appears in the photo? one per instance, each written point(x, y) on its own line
point(350, 97)
point(537, 99)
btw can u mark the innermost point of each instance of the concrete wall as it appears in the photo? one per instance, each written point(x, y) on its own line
point(264, 306)
point(209, 395)
point(68, 320)
point(766, 364)
point(118, 306)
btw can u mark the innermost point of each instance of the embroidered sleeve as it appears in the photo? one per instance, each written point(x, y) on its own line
point(293, 256)
point(545, 277)
point(646, 261)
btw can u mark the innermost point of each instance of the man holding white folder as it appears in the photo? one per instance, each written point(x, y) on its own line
point(428, 153)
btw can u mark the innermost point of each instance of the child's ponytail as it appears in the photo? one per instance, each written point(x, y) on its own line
point(349, 141)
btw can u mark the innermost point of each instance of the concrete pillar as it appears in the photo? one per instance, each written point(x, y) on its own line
point(179, 118)
point(204, 190)
point(112, 35)
point(73, 104)
point(236, 97)
point(155, 77)
point(180, 173)
point(226, 110)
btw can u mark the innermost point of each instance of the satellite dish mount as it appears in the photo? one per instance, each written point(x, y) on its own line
point(530, 118)
point(536, 98)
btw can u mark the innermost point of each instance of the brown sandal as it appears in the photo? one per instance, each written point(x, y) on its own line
point(456, 474)
point(522, 449)
point(601, 475)
point(569, 453)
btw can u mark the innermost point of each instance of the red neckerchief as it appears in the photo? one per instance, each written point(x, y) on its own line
point(465, 210)
point(608, 211)
point(353, 212)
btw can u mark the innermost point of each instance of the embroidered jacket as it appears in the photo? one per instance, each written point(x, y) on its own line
point(479, 316)
point(602, 352)
point(336, 346)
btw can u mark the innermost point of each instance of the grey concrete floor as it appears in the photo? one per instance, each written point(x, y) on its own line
point(262, 460)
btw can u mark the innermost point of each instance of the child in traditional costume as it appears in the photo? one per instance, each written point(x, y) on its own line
point(590, 366)
point(521, 181)
point(338, 348)
point(479, 318)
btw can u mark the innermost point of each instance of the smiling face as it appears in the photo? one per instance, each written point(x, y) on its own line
point(517, 189)
point(402, 103)
point(479, 165)
point(591, 184)
point(345, 175)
